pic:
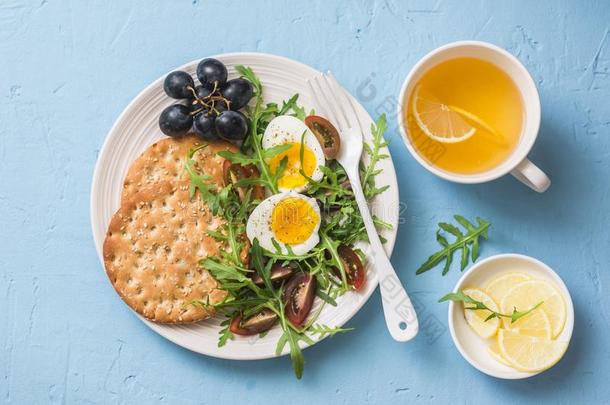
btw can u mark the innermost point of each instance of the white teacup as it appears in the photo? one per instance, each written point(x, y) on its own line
point(517, 163)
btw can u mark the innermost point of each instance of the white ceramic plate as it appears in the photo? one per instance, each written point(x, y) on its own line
point(474, 348)
point(136, 129)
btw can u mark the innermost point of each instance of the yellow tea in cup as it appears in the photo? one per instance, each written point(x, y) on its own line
point(465, 116)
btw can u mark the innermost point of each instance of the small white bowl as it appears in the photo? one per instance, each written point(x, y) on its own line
point(474, 348)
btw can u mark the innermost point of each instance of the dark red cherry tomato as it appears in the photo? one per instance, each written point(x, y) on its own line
point(354, 269)
point(253, 325)
point(298, 297)
point(278, 273)
point(326, 133)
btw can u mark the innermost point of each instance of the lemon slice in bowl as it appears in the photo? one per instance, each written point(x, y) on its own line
point(438, 120)
point(494, 351)
point(476, 317)
point(499, 286)
point(536, 323)
point(527, 294)
point(529, 353)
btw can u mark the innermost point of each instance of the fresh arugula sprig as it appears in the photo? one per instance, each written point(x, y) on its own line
point(225, 333)
point(202, 183)
point(292, 337)
point(468, 243)
point(323, 331)
point(369, 171)
point(460, 296)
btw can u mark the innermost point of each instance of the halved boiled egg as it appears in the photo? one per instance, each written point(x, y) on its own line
point(287, 129)
point(290, 219)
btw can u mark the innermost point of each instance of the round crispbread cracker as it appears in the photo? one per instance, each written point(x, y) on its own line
point(151, 253)
point(164, 161)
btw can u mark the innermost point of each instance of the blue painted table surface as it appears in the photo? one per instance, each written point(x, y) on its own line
point(68, 68)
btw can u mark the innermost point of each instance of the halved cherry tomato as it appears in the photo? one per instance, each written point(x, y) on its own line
point(326, 133)
point(233, 172)
point(354, 270)
point(298, 297)
point(278, 273)
point(253, 325)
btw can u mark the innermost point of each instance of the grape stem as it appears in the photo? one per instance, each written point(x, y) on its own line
point(203, 101)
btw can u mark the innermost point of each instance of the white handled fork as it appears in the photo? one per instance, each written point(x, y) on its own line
point(400, 315)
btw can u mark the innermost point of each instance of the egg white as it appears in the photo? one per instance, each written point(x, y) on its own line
point(288, 129)
point(259, 224)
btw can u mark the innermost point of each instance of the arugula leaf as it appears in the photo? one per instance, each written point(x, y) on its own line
point(326, 297)
point(281, 343)
point(223, 272)
point(289, 105)
point(323, 331)
point(368, 174)
point(248, 74)
point(331, 246)
point(276, 150)
point(264, 270)
point(202, 183)
point(299, 112)
point(296, 355)
point(236, 157)
point(467, 243)
point(460, 296)
point(279, 171)
point(515, 315)
point(225, 333)
point(291, 337)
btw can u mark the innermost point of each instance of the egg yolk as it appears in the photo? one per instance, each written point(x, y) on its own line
point(293, 220)
point(292, 178)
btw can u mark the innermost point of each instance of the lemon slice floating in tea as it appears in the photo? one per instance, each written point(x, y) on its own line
point(446, 123)
point(437, 120)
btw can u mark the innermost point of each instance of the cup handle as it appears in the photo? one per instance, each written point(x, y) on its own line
point(530, 175)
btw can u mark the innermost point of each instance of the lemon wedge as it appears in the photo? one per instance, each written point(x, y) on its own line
point(527, 294)
point(476, 318)
point(494, 351)
point(529, 353)
point(499, 286)
point(438, 120)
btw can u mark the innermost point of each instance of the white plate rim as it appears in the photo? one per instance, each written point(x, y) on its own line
point(389, 177)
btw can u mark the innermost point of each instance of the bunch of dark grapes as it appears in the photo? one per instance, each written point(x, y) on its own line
point(209, 109)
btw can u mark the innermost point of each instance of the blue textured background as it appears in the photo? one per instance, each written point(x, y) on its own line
point(68, 68)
